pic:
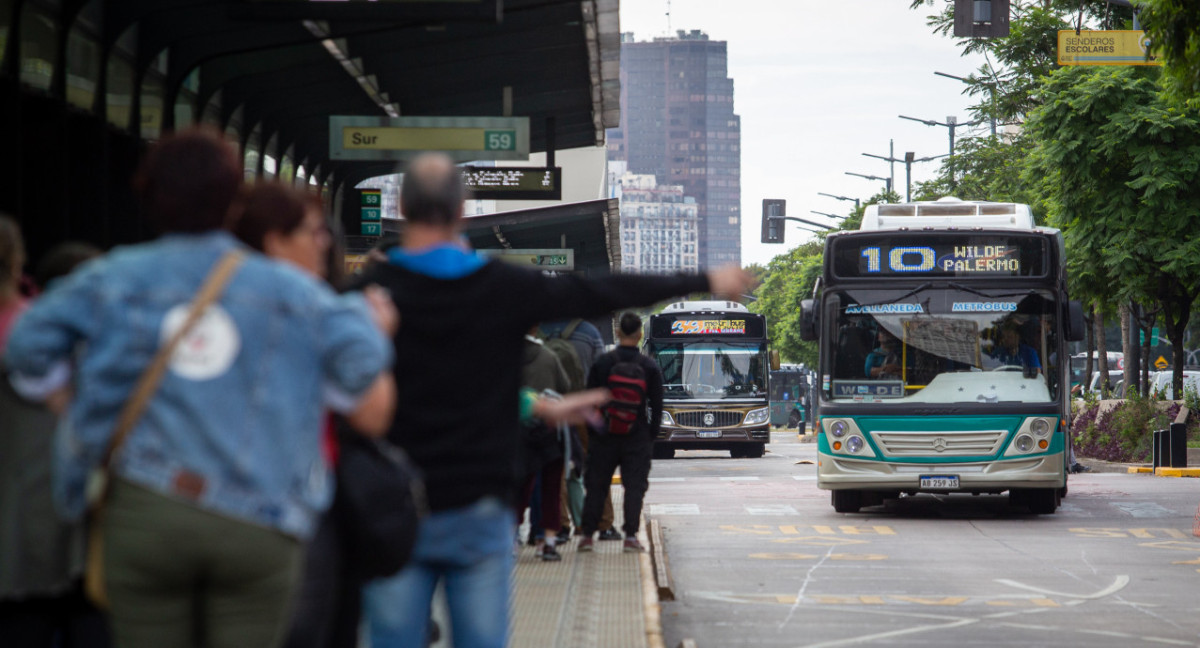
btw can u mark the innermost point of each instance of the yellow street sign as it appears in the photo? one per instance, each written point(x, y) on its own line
point(1112, 47)
point(1161, 363)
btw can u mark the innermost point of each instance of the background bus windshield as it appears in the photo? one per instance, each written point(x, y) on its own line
point(711, 369)
point(943, 346)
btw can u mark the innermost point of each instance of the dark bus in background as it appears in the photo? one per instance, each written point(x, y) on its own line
point(791, 396)
point(715, 366)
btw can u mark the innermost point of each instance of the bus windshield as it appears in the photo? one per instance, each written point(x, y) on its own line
point(712, 369)
point(943, 346)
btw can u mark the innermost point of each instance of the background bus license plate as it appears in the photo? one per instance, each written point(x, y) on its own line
point(708, 434)
point(939, 481)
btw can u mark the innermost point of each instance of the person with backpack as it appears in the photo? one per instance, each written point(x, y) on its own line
point(584, 338)
point(632, 417)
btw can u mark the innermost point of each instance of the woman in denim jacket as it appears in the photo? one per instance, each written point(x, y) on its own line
point(221, 478)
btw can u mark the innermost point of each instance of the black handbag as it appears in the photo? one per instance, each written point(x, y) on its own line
point(380, 501)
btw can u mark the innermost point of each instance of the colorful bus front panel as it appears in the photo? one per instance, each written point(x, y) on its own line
point(943, 366)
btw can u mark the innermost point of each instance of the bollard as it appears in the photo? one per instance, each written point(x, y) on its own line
point(1177, 443)
point(1159, 449)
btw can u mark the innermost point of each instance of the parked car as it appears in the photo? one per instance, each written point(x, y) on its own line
point(1114, 379)
point(1116, 360)
point(1160, 382)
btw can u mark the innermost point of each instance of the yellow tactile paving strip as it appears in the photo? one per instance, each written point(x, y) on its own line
point(585, 601)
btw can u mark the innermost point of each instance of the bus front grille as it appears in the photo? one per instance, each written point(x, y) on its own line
point(720, 418)
point(940, 444)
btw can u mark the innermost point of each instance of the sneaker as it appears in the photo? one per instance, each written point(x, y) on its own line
point(610, 534)
point(585, 544)
point(549, 553)
point(632, 545)
point(1080, 468)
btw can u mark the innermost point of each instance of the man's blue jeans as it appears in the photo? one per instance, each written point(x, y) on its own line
point(472, 549)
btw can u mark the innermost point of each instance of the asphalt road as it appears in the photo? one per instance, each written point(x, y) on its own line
point(760, 558)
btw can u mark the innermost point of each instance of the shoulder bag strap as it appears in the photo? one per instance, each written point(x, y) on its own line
point(570, 328)
point(213, 286)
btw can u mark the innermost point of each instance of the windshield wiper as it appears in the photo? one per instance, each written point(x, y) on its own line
point(976, 291)
point(892, 300)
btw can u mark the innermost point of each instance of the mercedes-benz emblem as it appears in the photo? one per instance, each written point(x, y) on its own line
point(709, 419)
point(939, 444)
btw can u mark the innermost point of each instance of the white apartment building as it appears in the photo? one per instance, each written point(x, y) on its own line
point(658, 226)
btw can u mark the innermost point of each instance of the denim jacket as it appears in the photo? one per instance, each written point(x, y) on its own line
point(234, 425)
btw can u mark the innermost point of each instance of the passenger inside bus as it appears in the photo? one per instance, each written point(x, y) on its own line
point(1010, 351)
point(884, 362)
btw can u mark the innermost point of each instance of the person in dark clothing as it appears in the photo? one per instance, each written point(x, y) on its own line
point(460, 350)
point(542, 452)
point(630, 451)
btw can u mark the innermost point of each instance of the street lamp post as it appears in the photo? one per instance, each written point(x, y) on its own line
point(951, 122)
point(908, 160)
point(991, 89)
point(834, 216)
point(886, 181)
point(854, 200)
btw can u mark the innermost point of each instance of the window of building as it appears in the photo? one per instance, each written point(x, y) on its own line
point(39, 43)
point(118, 102)
point(83, 60)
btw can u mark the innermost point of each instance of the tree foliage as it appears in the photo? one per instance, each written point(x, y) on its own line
point(1174, 28)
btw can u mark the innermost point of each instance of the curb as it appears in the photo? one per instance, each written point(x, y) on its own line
point(1177, 472)
point(651, 607)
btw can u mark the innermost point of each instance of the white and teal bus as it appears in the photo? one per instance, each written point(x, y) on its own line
point(943, 358)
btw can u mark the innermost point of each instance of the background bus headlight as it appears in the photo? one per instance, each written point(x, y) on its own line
point(838, 429)
point(757, 416)
point(1039, 427)
point(666, 418)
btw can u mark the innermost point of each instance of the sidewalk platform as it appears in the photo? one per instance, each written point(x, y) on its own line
point(590, 600)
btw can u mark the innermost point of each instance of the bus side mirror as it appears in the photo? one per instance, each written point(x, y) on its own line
point(775, 362)
point(808, 320)
point(1076, 327)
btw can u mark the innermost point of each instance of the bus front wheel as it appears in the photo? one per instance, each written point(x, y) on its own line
point(794, 420)
point(1040, 501)
point(846, 501)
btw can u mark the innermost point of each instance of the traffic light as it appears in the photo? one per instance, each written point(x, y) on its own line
point(981, 18)
point(774, 210)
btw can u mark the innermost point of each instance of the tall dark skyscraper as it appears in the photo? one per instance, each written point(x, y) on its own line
point(677, 122)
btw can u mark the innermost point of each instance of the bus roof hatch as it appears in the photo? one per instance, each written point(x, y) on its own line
point(947, 212)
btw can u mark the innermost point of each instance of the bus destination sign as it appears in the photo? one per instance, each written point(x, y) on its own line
point(955, 255)
point(513, 183)
point(708, 327)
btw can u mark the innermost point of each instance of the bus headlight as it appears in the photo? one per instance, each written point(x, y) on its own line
point(757, 416)
point(838, 429)
point(854, 444)
point(666, 418)
point(1039, 427)
point(1024, 443)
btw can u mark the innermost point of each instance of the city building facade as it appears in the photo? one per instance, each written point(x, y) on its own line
point(678, 124)
point(659, 226)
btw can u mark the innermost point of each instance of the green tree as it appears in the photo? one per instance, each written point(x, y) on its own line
point(790, 278)
point(1174, 28)
point(1115, 159)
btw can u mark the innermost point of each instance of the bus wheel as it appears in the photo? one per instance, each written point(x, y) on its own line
point(748, 451)
point(794, 419)
point(846, 501)
point(1040, 501)
point(662, 451)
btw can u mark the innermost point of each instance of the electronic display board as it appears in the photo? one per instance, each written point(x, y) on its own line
point(939, 254)
point(513, 183)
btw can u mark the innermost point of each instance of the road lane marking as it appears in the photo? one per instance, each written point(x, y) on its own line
point(1143, 509)
point(792, 529)
point(1117, 585)
point(820, 541)
point(1115, 532)
point(674, 509)
point(800, 556)
point(770, 509)
point(888, 635)
point(1175, 545)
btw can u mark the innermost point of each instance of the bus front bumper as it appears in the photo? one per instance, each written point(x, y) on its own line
point(713, 438)
point(835, 472)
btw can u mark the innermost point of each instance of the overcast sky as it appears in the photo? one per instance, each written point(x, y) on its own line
point(818, 83)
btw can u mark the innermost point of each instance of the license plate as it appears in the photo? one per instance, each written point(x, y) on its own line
point(939, 481)
point(708, 434)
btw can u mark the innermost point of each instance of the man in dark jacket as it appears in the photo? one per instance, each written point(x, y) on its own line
point(631, 451)
point(458, 367)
